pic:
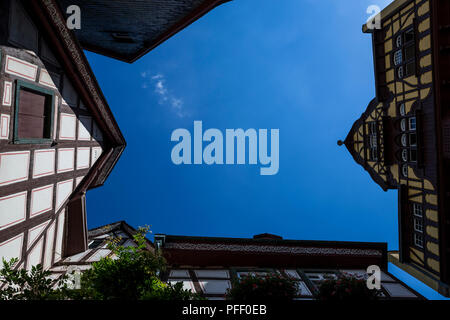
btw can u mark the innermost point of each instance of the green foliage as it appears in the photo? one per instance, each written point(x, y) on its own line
point(346, 287)
point(35, 284)
point(273, 286)
point(131, 275)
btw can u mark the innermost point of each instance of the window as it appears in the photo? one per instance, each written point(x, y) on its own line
point(413, 155)
point(405, 155)
point(417, 209)
point(405, 57)
point(33, 119)
point(418, 225)
point(413, 139)
point(404, 140)
point(402, 110)
point(373, 141)
point(412, 123)
point(418, 240)
point(403, 124)
point(408, 138)
point(405, 170)
point(400, 72)
point(399, 41)
point(398, 57)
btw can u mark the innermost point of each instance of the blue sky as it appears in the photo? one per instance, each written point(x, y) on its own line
point(303, 67)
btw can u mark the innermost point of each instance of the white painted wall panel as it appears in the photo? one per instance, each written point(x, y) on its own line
point(13, 209)
point(96, 153)
point(11, 248)
point(20, 68)
point(66, 159)
point(84, 128)
point(14, 167)
point(45, 79)
point(35, 256)
point(59, 236)
point(63, 191)
point(4, 126)
point(41, 200)
point(44, 163)
point(35, 232)
point(83, 157)
point(50, 240)
point(78, 180)
point(67, 126)
point(7, 93)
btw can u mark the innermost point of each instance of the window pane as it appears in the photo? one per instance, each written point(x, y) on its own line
point(399, 41)
point(31, 118)
point(412, 123)
point(400, 72)
point(418, 226)
point(398, 57)
point(412, 139)
point(402, 109)
point(409, 36)
point(418, 240)
point(410, 52)
point(410, 69)
point(417, 209)
point(413, 155)
point(405, 170)
point(403, 124)
point(404, 140)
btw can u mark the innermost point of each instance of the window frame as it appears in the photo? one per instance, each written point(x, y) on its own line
point(402, 68)
point(50, 104)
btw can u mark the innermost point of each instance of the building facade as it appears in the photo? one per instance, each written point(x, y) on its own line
point(402, 138)
point(58, 137)
point(208, 266)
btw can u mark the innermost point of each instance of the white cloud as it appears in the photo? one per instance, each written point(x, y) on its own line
point(158, 82)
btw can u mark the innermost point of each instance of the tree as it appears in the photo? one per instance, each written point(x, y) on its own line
point(272, 286)
point(133, 274)
point(34, 284)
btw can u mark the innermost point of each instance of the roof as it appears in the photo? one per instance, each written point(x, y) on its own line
point(73, 60)
point(265, 252)
point(126, 30)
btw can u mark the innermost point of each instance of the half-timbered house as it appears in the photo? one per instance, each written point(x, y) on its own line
point(58, 137)
point(209, 265)
point(402, 139)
